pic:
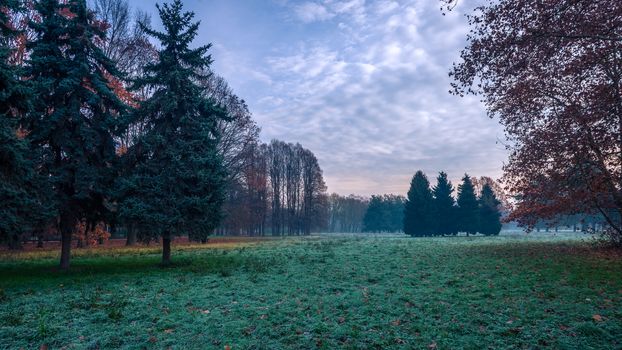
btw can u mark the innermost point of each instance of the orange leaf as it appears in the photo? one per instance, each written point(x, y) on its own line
point(597, 318)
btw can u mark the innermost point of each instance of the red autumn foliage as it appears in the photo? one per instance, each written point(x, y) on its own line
point(90, 235)
point(122, 93)
point(551, 71)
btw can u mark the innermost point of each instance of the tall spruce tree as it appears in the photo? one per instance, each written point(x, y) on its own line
point(75, 115)
point(22, 202)
point(489, 215)
point(468, 211)
point(177, 183)
point(419, 207)
point(444, 205)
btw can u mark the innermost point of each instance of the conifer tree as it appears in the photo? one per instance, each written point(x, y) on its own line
point(75, 115)
point(372, 221)
point(468, 211)
point(489, 215)
point(418, 210)
point(176, 184)
point(444, 205)
point(22, 206)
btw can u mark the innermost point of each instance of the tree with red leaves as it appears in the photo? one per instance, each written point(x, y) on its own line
point(551, 71)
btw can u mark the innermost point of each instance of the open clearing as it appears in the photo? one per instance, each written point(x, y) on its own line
point(319, 292)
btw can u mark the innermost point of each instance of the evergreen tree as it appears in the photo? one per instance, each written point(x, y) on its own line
point(489, 215)
point(468, 210)
point(444, 205)
point(75, 115)
point(176, 185)
point(372, 221)
point(396, 212)
point(418, 209)
point(385, 213)
point(21, 193)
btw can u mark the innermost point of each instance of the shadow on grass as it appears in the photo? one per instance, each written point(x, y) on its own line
point(86, 269)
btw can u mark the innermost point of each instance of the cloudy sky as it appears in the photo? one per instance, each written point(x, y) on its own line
point(361, 83)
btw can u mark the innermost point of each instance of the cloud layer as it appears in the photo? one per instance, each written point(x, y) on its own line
point(363, 84)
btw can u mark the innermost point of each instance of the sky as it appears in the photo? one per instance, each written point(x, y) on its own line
point(362, 83)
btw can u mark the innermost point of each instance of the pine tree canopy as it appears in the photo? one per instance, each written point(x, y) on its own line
point(468, 206)
point(444, 204)
point(22, 191)
point(489, 215)
point(177, 178)
point(76, 114)
point(419, 207)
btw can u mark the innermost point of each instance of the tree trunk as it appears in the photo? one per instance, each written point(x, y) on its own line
point(66, 229)
point(15, 243)
point(131, 236)
point(166, 251)
point(40, 241)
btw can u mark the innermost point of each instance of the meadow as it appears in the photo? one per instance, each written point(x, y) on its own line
point(323, 292)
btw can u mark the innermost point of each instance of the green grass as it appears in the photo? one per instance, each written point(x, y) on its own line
point(323, 292)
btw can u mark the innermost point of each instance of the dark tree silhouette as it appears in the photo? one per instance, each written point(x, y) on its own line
point(489, 215)
point(419, 207)
point(446, 212)
point(468, 212)
point(385, 213)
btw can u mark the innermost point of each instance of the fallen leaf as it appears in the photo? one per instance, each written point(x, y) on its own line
point(433, 345)
point(597, 318)
point(205, 311)
point(168, 330)
point(43, 347)
point(396, 322)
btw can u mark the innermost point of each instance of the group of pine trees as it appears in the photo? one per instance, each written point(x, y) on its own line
point(62, 119)
point(434, 211)
point(385, 213)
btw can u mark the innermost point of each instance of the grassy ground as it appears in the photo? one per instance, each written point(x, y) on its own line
point(323, 292)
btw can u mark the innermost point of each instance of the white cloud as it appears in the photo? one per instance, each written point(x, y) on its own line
point(371, 99)
point(311, 12)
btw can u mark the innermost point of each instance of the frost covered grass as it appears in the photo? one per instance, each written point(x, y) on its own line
point(319, 292)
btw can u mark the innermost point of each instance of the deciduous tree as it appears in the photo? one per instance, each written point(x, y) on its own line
point(551, 72)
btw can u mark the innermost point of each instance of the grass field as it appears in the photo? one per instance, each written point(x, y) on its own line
point(319, 292)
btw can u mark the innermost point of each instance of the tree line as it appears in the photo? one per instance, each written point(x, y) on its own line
point(385, 213)
point(104, 131)
point(280, 191)
point(434, 211)
point(346, 213)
